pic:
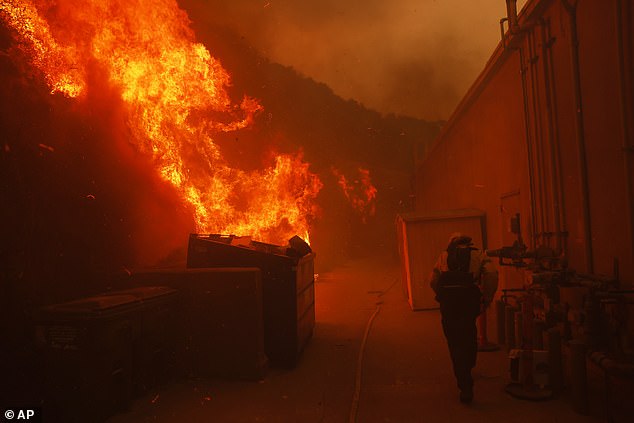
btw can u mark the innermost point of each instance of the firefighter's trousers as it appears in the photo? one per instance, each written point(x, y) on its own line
point(461, 334)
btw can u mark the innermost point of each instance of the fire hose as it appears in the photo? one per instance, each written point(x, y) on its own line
point(357, 382)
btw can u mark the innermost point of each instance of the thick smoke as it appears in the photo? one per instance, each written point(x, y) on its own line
point(411, 57)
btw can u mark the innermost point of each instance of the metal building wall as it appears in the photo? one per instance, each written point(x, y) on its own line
point(546, 131)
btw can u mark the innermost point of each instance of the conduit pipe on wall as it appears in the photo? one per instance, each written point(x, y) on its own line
point(624, 45)
point(542, 148)
point(538, 141)
point(529, 150)
point(556, 182)
point(580, 134)
point(511, 13)
point(502, 37)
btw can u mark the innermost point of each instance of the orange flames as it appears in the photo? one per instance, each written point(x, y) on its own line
point(361, 193)
point(170, 86)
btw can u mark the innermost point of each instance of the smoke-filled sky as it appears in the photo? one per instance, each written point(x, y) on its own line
point(409, 57)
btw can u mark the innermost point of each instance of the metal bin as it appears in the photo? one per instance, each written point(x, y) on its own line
point(288, 292)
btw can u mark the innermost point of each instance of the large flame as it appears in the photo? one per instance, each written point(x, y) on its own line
point(171, 87)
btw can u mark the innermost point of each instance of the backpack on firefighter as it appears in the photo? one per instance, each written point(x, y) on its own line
point(458, 292)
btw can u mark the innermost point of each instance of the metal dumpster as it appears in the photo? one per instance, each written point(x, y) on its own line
point(288, 293)
point(222, 323)
point(154, 346)
point(100, 351)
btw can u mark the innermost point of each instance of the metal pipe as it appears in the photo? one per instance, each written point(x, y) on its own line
point(624, 46)
point(518, 327)
point(529, 149)
point(539, 162)
point(603, 279)
point(552, 141)
point(511, 13)
point(578, 377)
point(613, 367)
point(555, 374)
point(615, 292)
point(502, 37)
point(509, 327)
point(580, 134)
point(539, 327)
point(499, 312)
point(560, 178)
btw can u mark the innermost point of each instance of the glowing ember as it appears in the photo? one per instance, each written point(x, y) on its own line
point(361, 193)
point(170, 85)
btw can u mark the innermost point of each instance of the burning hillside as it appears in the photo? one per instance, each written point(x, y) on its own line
point(146, 138)
point(175, 100)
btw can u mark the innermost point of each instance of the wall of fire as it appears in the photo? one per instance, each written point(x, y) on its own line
point(547, 131)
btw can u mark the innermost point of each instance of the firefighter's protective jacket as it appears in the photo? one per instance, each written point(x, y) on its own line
point(483, 270)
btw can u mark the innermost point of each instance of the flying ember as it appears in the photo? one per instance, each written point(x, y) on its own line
point(171, 86)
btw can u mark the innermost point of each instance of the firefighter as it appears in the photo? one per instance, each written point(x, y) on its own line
point(456, 279)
